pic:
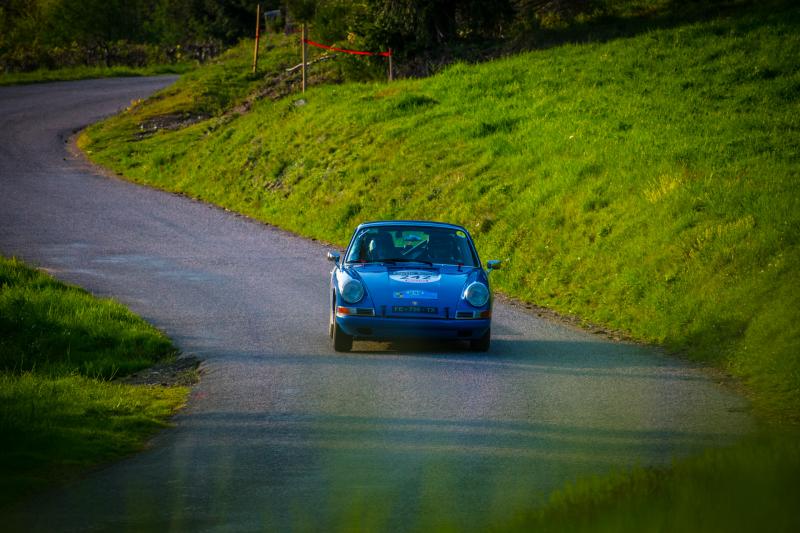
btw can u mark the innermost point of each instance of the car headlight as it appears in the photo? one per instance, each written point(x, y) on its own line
point(351, 290)
point(477, 294)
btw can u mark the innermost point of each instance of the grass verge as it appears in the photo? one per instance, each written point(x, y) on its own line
point(751, 486)
point(83, 73)
point(59, 411)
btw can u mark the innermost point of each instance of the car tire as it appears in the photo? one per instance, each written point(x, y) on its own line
point(482, 344)
point(331, 324)
point(342, 342)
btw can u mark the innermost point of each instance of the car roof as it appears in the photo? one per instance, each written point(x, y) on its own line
point(423, 223)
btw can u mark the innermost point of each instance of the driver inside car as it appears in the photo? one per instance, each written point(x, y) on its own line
point(377, 247)
point(443, 250)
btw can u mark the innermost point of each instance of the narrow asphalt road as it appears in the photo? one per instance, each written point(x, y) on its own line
point(284, 434)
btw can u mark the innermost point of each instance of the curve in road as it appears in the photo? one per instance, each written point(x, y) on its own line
point(284, 433)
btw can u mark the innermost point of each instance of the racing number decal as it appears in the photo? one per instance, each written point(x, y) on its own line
point(415, 276)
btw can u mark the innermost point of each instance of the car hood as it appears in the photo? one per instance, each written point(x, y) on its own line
point(439, 286)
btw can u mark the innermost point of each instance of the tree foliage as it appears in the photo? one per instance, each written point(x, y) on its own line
point(411, 26)
point(34, 33)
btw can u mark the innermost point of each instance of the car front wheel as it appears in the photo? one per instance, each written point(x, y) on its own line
point(482, 344)
point(342, 342)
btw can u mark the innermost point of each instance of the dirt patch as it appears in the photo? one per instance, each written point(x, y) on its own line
point(281, 85)
point(274, 88)
point(182, 372)
point(174, 121)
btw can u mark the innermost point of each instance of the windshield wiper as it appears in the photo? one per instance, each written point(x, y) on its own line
point(405, 260)
point(391, 261)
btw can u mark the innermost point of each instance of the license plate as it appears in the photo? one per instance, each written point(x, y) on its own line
point(414, 309)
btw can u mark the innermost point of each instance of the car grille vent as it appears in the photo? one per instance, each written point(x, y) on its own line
point(465, 314)
point(365, 311)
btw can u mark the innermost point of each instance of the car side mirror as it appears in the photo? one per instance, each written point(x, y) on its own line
point(493, 264)
point(333, 255)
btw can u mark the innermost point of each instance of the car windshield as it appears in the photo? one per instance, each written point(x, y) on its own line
point(398, 244)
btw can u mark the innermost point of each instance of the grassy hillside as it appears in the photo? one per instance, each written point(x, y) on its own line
point(59, 413)
point(647, 183)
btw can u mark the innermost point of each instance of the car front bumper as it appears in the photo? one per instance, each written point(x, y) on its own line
point(380, 328)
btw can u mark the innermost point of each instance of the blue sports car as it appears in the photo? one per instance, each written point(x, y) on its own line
point(405, 279)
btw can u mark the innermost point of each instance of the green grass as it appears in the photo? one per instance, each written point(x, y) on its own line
point(220, 85)
point(749, 487)
point(82, 73)
point(59, 413)
point(48, 327)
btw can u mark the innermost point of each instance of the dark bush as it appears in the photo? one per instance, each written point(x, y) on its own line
point(66, 33)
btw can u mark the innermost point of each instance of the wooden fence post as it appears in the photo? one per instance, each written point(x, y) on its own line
point(391, 75)
point(258, 33)
point(305, 55)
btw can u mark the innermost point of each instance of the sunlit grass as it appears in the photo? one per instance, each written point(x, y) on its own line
point(223, 82)
point(59, 413)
